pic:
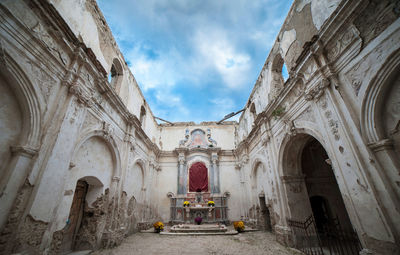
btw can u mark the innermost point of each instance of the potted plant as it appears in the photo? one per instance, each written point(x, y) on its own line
point(239, 226)
point(158, 226)
point(198, 220)
point(211, 203)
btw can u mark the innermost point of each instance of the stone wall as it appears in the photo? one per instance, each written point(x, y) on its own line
point(65, 122)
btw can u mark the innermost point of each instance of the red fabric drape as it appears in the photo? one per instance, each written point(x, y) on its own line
point(198, 177)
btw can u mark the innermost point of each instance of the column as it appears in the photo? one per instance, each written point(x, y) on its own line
point(215, 175)
point(181, 174)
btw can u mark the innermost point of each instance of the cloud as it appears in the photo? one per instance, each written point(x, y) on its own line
point(215, 49)
point(195, 60)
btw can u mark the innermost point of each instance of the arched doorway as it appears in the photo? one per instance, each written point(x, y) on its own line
point(316, 211)
point(323, 191)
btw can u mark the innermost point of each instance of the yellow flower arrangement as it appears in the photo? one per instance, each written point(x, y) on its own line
point(239, 226)
point(211, 203)
point(158, 226)
point(186, 203)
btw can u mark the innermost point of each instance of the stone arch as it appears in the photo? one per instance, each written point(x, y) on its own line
point(116, 74)
point(373, 101)
point(380, 122)
point(277, 79)
point(296, 187)
point(254, 171)
point(289, 161)
point(25, 143)
point(29, 99)
point(134, 183)
point(109, 141)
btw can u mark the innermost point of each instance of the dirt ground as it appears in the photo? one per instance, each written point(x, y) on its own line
point(244, 243)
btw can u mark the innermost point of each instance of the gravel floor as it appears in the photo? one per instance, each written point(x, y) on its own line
point(245, 243)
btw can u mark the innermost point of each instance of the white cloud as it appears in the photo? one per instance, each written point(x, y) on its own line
point(218, 52)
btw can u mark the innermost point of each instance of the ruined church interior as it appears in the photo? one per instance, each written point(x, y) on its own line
point(314, 159)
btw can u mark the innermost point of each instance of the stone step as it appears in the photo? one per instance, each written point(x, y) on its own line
point(234, 232)
point(205, 228)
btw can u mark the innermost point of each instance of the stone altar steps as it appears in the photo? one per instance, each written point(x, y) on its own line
point(204, 229)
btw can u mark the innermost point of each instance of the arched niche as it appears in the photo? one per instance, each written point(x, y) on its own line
point(11, 123)
point(380, 123)
point(20, 130)
point(257, 177)
point(134, 180)
point(93, 158)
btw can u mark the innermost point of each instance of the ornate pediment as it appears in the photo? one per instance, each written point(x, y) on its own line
point(197, 139)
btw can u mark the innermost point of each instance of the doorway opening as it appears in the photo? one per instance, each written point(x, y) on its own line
point(318, 217)
point(75, 216)
point(266, 217)
point(323, 191)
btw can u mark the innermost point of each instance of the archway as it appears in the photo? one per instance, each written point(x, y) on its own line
point(90, 180)
point(315, 203)
point(323, 191)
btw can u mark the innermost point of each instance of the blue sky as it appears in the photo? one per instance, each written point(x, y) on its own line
point(195, 60)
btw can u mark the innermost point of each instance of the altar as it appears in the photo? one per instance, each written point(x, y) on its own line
point(198, 181)
point(215, 214)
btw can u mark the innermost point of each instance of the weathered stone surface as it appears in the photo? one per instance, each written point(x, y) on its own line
point(330, 131)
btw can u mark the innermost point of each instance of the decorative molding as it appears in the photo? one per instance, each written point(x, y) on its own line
point(317, 91)
point(107, 131)
point(212, 141)
point(336, 48)
point(82, 96)
point(130, 140)
point(116, 179)
point(184, 141)
point(290, 128)
point(332, 122)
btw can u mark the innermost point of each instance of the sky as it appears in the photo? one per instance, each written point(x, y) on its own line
point(195, 60)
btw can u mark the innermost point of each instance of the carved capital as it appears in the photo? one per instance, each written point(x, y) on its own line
point(290, 128)
point(181, 159)
point(23, 150)
point(245, 159)
point(116, 179)
point(238, 165)
point(382, 145)
point(214, 158)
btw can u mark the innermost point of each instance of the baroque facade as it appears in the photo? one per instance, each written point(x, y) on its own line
point(84, 163)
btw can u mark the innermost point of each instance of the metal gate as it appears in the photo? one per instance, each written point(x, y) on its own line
point(333, 240)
